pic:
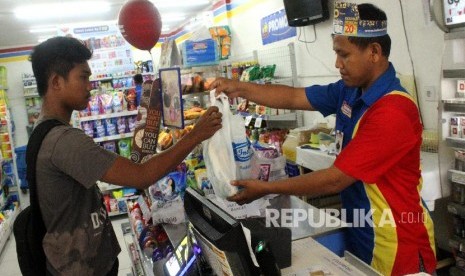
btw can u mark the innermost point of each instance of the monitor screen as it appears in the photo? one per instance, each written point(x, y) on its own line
point(181, 259)
point(306, 12)
point(219, 235)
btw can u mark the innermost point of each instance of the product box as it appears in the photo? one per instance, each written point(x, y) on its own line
point(454, 127)
point(144, 143)
point(203, 52)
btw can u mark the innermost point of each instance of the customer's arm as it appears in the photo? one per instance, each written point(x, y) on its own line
point(127, 173)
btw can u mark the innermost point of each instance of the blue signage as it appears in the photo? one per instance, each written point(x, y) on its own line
point(274, 27)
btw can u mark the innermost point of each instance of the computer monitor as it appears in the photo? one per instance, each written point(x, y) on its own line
point(220, 236)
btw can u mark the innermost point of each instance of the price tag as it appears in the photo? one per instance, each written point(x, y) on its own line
point(247, 120)
point(461, 86)
point(258, 122)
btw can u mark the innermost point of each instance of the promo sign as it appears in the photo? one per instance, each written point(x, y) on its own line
point(274, 27)
point(144, 143)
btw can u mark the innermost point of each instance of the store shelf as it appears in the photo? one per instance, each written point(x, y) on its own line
point(453, 73)
point(106, 116)
point(3, 87)
point(198, 94)
point(32, 95)
point(29, 86)
point(455, 142)
point(136, 265)
point(457, 243)
point(456, 209)
point(113, 137)
point(102, 79)
point(456, 176)
point(6, 227)
point(454, 105)
point(454, 271)
point(109, 187)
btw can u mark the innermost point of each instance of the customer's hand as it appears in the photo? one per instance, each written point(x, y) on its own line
point(252, 189)
point(232, 88)
point(207, 125)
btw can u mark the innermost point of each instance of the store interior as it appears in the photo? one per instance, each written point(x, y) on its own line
point(427, 53)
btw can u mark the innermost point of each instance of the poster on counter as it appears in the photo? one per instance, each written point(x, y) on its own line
point(171, 93)
point(274, 27)
point(111, 53)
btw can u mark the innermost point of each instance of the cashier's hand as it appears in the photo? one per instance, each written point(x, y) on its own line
point(252, 189)
point(232, 88)
point(207, 125)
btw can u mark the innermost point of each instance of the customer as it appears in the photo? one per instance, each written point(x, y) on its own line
point(80, 239)
point(138, 80)
point(379, 128)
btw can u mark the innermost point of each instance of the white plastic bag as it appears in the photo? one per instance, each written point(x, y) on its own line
point(227, 153)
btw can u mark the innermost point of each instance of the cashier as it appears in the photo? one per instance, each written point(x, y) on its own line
point(378, 128)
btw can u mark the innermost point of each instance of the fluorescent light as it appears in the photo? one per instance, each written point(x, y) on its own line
point(172, 17)
point(61, 10)
point(43, 30)
point(179, 3)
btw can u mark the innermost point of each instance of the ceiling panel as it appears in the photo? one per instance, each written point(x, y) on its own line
point(14, 32)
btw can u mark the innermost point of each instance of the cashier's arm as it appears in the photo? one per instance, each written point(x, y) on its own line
point(322, 182)
point(271, 95)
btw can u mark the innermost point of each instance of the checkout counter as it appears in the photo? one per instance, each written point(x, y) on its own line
point(315, 250)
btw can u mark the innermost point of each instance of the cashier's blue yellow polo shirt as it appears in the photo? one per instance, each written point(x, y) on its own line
point(389, 226)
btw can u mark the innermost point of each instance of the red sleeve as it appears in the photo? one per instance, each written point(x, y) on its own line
point(387, 132)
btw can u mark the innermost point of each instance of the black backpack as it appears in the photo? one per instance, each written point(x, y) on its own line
point(29, 228)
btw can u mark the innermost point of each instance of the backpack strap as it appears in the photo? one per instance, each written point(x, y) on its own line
point(32, 151)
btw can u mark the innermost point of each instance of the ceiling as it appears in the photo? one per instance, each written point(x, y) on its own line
point(15, 32)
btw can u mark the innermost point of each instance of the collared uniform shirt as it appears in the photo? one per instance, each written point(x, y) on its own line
point(389, 225)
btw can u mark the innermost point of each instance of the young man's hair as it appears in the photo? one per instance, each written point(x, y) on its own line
point(371, 12)
point(138, 79)
point(56, 55)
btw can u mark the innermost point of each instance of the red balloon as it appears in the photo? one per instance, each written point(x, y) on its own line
point(140, 23)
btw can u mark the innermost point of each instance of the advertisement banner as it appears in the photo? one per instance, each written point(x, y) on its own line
point(111, 53)
point(274, 27)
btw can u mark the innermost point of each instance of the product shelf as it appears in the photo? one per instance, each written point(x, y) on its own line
point(30, 86)
point(454, 271)
point(136, 266)
point(6, 227)
point(113, 137)
point(455, 142)
point(456, 209)
point(105, 187)
point(457, 243)
point(456, 176)
point(102, 79)
point(32, 95)
point(107, 116)
point(454, 104)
